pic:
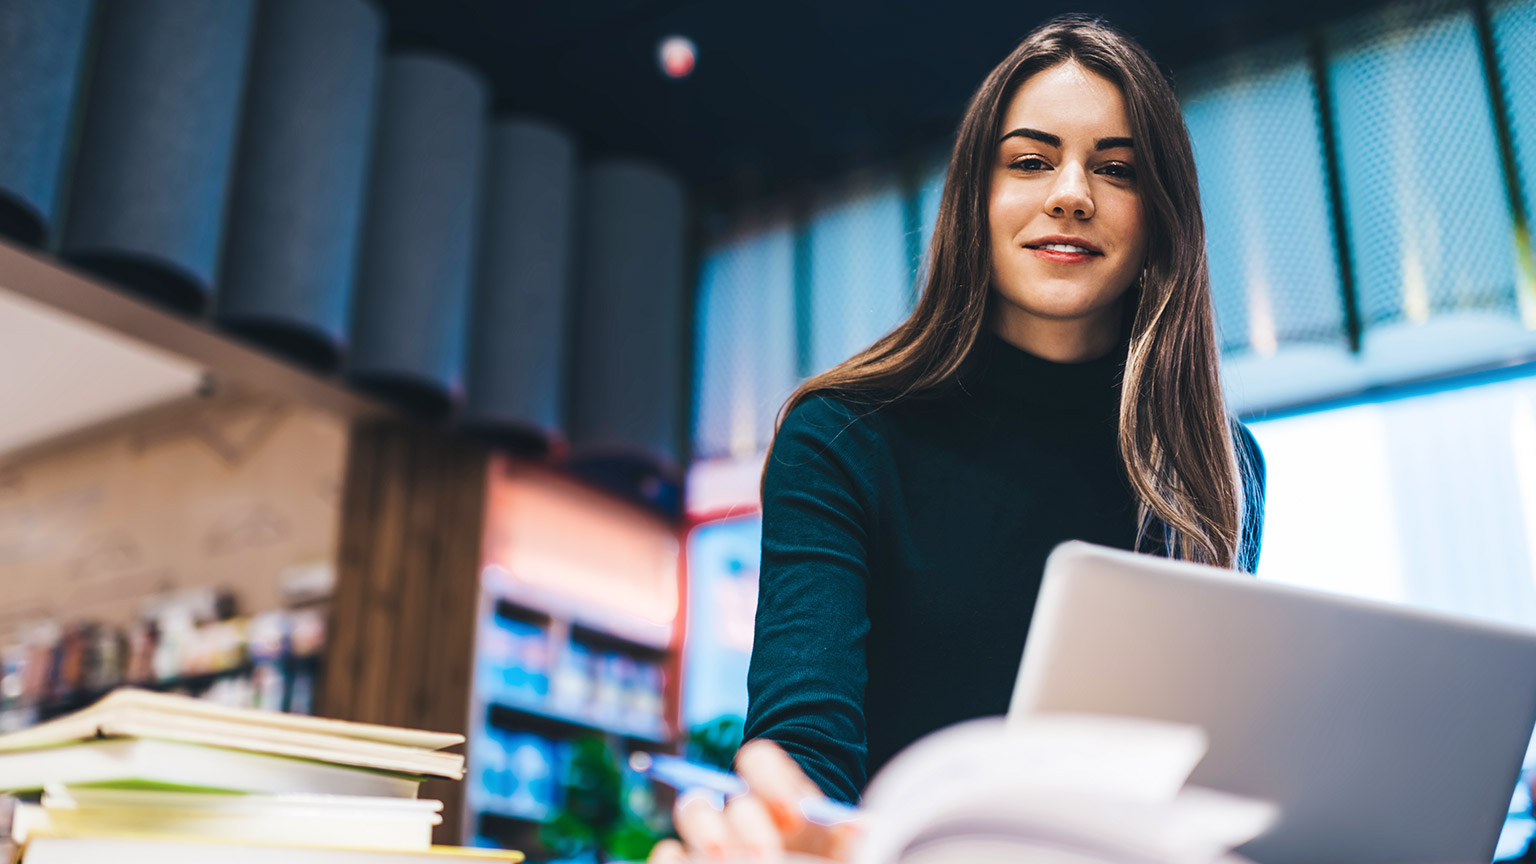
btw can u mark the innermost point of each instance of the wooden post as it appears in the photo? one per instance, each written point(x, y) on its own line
point(402, 637)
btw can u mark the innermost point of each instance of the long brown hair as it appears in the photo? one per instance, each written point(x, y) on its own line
point(1175, 433)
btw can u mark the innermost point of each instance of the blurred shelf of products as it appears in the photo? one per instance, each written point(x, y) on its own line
point(268, 660)
point(576, 665)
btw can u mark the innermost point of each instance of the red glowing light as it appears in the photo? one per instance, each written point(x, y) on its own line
point(678, 56)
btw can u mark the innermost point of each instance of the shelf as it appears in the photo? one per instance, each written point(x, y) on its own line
point(199, 682)
point(501, 587)
point(232, 364)
point(596, 638)
point(514, 611)
point(529, 718)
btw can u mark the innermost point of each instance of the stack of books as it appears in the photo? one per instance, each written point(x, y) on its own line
point(141, 777)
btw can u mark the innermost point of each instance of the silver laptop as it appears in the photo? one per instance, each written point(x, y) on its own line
point(1386, 735)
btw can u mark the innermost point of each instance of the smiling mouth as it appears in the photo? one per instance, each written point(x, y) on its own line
point(1063, 248)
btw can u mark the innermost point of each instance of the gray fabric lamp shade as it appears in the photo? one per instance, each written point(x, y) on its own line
point(297, 203)
point(410, 312)
point(521, 310)
point(628, 383)
point(149, 187)
point(41, 43)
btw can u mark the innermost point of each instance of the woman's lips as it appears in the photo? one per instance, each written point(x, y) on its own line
point(1057, 257)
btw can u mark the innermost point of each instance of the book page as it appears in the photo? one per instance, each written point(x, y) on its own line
point(1101, 789)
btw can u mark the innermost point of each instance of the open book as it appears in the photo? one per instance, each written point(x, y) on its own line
point(1056, 789)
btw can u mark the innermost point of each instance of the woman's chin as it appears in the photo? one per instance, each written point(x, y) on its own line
point(1070, 303)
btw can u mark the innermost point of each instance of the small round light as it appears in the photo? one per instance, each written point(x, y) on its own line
point(677, 56)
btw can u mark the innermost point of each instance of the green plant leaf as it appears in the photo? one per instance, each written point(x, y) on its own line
point(716, 742)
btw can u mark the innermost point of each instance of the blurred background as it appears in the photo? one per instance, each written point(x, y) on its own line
point(414, 361)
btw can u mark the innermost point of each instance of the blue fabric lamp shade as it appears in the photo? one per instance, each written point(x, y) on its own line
point(150, 184)
point(42, 43)
point(409, 316)
point(296, 206)
point(518, 344)
point(628, 384)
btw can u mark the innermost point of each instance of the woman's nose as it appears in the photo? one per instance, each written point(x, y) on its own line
point(1069, 195)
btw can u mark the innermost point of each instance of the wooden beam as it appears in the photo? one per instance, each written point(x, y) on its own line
point(407, 589)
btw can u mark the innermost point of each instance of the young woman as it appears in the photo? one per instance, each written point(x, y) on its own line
point(1058, 380)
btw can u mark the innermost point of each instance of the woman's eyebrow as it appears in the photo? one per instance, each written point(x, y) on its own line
point(1055, 140)
point(1043, 137)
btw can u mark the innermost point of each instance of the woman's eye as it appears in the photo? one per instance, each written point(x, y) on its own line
point(1030, 163)
point(1120, 170)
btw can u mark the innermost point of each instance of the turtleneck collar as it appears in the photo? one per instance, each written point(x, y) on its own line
point(1001, 372)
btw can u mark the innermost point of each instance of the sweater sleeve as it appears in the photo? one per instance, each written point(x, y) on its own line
point(806, 681)
point(1250, 462)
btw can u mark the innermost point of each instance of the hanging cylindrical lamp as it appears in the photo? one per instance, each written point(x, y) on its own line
point(297, 204)
point(628, 382)
point(41, 43)
point(518, 333)
point(149, 187)
point(409, 316)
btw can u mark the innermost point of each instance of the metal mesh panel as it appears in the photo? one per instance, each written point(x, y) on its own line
point(1263, 186)
point(1514, 36)
point(1428, 217)
point(858, 272)
point(746, 352)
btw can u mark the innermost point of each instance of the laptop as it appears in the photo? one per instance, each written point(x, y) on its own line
point(1387, 735)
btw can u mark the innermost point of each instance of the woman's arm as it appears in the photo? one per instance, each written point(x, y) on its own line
point(1250, 462)
point(806, 681)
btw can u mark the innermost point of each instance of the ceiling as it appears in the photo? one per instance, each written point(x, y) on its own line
point(789, 92)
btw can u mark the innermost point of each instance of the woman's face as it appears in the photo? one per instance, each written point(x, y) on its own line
point(1067, 230)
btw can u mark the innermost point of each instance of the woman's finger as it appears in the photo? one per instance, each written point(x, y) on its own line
point(839, 841)
point(778, 780)
point(701, 824)
point(755, 836)
point(668, 852)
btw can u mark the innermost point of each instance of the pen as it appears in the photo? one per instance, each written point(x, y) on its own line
point(686, 776)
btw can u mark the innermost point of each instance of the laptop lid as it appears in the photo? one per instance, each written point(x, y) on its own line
point(1387, 735)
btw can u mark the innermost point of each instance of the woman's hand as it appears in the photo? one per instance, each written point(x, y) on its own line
point(764, 824)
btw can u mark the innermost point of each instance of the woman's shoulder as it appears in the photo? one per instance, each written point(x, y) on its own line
point(847, 429)
point(828, 415)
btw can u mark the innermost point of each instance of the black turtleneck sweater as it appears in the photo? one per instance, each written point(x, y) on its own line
point(903, 547)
